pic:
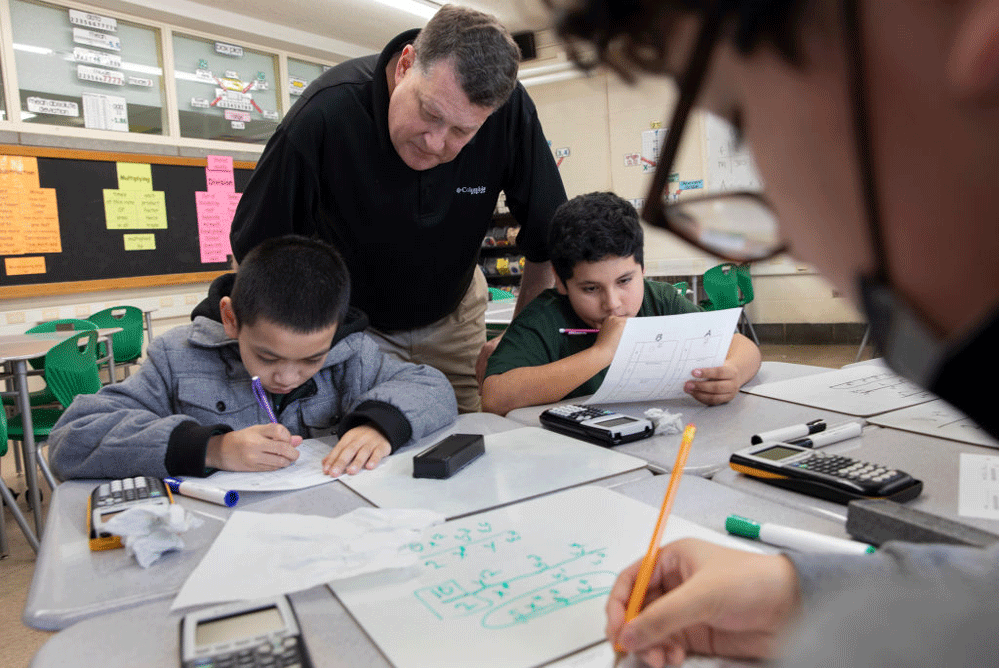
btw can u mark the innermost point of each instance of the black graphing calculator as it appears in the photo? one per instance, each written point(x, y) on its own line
point(603, 426)
point(111, 498)
point(825, 476)
point(263, 633)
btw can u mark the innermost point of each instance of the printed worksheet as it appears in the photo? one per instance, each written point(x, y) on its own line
point(307, 471)
point(937, 418)
point(656, 355)
point(979, 486)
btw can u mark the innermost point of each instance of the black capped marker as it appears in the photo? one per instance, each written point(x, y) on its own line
point(786, 434)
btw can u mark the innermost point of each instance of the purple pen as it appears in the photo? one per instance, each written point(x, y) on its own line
point(577, 331)
point(262, 399)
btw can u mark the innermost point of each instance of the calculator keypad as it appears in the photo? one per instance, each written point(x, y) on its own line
point(578, 413)
point(845, 467)
point(281, 653)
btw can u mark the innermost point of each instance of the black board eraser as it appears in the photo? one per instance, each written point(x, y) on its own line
point(877, 521)
point(449, 456)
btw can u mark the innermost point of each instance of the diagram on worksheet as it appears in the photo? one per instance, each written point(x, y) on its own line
point(516, 586)
point(863, 390)
point(937, 418)
point(656, 356)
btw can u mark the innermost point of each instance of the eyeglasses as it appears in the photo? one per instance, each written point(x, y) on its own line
point(739, 226)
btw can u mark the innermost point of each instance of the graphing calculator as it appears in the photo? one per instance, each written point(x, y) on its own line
point(825, 476)
point(247, 634)
point(596, 424)
point(116, 496)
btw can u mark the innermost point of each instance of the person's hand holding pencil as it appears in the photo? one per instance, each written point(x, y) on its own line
point(687, 598)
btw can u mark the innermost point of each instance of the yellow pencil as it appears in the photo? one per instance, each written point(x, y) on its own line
point(649, 562)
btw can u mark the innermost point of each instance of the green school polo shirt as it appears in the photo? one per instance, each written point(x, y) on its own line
point(533, 339)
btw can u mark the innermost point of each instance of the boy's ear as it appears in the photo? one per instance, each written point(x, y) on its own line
point(973, 58)
point(229, 318)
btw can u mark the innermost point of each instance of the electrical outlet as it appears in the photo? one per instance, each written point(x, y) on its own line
point(50, 314)
point(166, 302)
point(82, 311)
point(191, 299)
point(15, 318)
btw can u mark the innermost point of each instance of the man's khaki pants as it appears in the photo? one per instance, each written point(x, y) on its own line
point(451, 344)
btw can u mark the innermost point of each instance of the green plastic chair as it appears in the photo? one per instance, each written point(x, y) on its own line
point(7, 499)
point(729, 285)
point(69, 371)
point(63, 325)
point(126, 344)
point(682, 289)
point(495, 294)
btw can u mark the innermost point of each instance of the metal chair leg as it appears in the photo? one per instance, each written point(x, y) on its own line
point(8, 499)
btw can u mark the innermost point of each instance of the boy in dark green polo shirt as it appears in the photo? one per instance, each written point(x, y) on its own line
point(595, 245)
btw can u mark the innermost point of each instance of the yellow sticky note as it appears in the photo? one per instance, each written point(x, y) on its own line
point(135, 176)
point(152, 210)
point(136, 242)
point(18, 266)
point(121, 210)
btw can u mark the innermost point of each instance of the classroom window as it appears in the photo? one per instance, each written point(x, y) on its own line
point(301, 74)
point(82, 69)
point(225, 91)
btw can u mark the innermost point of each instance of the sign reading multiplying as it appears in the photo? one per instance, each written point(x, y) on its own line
point(134, 205)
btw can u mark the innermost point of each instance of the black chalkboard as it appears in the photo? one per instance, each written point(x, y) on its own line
point(93, 257)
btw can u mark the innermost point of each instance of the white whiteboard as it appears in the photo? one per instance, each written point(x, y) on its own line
point(937, 418)
point(516, 586)
point(518, 464)
point(729, 166)
point(862, 390)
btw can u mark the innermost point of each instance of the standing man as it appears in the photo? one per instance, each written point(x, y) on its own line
point(398, 160)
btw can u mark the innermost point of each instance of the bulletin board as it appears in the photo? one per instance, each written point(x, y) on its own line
point(83, 221)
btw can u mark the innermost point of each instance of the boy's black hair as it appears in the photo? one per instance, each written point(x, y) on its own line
point(591, 227)
point(292, 281)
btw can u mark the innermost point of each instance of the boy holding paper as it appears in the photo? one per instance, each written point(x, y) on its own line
point(595, 245)
point(283, 318)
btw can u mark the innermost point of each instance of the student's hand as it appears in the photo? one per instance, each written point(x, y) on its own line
point(717, 385)
point(362, 446)
point(705, 599)
point(264, 447)
point(483, 359)
point(609, 336)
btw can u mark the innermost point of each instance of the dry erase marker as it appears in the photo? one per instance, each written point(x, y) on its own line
point(563, 330)
point(197, 490)
point(795, 539)
point(262, 399)
point(787, 433)
point(843, 432)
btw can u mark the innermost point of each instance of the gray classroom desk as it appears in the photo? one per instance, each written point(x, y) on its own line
point(721, 430)
point(71, 583)
point(935, 461)
point(150, 633)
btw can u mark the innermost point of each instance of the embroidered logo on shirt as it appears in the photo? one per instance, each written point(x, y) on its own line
point(477, 190)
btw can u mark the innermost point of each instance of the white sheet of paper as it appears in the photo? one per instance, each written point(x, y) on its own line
point(307, 471)
point(512, 587)
point(517, 464)
point(979, 486)
point(656, 355)
point(936, 418)
point(862, 390)
point(265, 554)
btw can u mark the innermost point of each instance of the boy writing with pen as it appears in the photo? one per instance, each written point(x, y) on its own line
point(561, 344)
point(283, 317)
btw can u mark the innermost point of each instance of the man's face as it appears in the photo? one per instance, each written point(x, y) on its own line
point(612, 286)
point(281, 357)
point(430, 118)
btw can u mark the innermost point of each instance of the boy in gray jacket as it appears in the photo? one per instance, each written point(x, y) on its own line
point(284, 318)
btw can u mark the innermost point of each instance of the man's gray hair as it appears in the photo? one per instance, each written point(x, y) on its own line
point(484, 56)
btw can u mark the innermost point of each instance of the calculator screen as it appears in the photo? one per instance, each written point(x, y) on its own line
point(615, 422)
point(776, 453)
point(244, 625)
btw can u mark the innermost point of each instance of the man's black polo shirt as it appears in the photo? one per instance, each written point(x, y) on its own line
point(410, 238)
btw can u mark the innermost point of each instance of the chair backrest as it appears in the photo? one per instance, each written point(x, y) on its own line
point(71, 369)
point(127, 343)
point(745, 284)
point(681, 288)
point(721, 285)
point(63, 325)
point(496, 294)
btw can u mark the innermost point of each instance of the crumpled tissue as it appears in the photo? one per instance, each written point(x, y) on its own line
point(666, 423)
point(149, 531)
